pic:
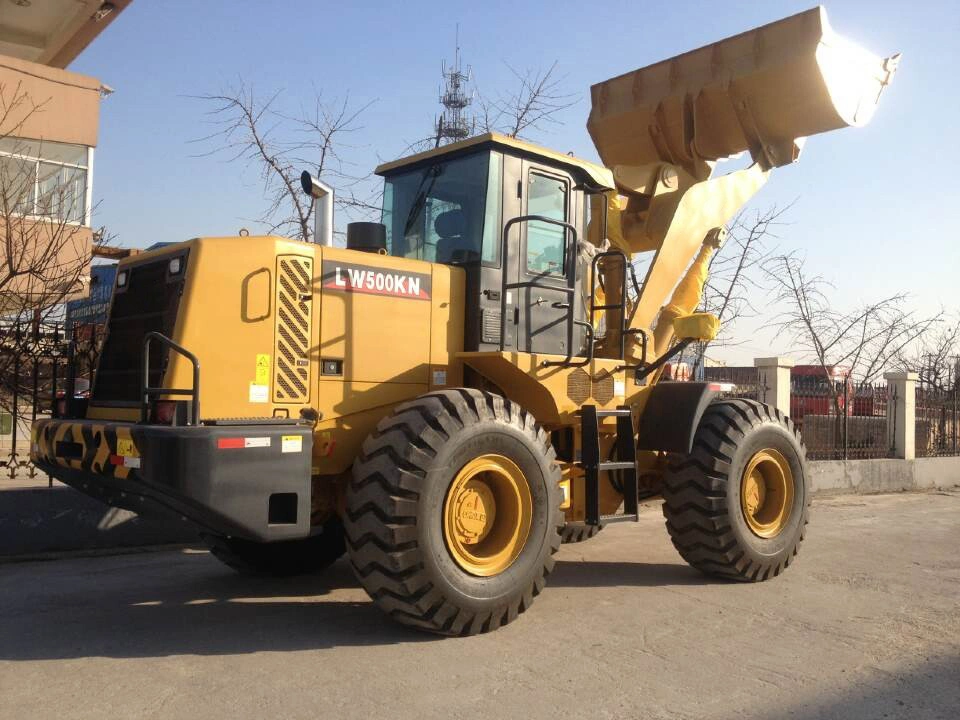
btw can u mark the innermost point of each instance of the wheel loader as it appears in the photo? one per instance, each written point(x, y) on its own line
point(476, 378)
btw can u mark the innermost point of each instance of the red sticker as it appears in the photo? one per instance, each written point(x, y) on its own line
point(229, 443)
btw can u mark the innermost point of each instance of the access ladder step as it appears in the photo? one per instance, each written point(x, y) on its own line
point(616, 466)
point(625, 463)
point(619, 412)
point(608, 519)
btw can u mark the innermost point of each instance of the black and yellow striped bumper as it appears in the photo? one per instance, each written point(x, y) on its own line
point(102, 448)
point(235, 479)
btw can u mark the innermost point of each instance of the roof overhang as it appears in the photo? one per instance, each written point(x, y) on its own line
point(53, 32)
point(597, 174)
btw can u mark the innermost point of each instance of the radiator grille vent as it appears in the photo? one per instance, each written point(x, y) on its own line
point(603, 388)
point(578, 386)
point(490, 325)
point(148, 302)
point(291, 379)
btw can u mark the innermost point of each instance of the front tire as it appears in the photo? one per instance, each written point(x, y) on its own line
point(453, 512)
point(737, 506)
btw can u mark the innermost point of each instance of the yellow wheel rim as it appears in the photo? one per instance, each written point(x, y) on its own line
point(486, 515)
point(766, 493)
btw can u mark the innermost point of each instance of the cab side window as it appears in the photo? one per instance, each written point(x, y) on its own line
point(546, 244)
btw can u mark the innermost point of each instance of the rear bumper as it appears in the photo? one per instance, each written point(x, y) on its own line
point(242, 480)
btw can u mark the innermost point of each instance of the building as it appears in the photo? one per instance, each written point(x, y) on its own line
point(49, 120)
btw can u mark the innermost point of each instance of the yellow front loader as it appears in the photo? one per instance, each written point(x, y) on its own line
point(476, 378)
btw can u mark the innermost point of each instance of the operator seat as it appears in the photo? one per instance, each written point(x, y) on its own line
point(453, 246)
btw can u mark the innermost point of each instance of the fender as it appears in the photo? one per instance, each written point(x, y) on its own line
point(672, 414)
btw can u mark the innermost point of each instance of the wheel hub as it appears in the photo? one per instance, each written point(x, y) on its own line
point(475, 512)
point(766, 493)
point(487, 513)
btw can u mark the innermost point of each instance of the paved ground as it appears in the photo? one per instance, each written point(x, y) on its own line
point(865, 625)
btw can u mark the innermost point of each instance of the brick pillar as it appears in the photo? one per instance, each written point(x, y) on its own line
point(901, 413)
point(773, 382)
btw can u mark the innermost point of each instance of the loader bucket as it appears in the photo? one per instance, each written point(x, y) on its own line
point(762, 91)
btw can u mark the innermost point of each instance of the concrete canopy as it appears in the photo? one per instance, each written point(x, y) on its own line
point(53, 32)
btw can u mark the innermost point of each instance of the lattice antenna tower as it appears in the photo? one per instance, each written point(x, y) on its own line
point(455, 122)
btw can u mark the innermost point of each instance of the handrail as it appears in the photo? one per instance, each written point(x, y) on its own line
point(146, 392)
point(570, 291)
point(629, 273)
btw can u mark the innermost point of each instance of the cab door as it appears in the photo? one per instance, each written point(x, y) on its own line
point(543, 258)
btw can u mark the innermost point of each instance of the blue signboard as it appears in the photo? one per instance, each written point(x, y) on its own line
point(93, 310)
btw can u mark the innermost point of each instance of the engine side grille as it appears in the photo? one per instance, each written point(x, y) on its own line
point(291, 379)
point(149, 303)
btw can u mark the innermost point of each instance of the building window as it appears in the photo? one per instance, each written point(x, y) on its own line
point(45, 180)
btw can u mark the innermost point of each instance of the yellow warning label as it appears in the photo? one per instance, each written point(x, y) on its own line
point(126, 448)
point(291, 443)
point(263, 369)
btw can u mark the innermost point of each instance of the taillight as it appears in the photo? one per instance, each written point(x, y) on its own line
point(164, 411)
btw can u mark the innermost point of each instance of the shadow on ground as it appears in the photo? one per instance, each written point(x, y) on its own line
point(212, 612)
point(171, 604)
point(930, 691)
point(573, 573)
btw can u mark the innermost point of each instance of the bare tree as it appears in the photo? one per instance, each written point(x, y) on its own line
point(736, 272)
point(531, 106)
point(866, 340)
point(250, 129)
point(936, 356)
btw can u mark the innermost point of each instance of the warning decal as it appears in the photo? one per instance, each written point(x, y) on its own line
point(291, 444)
point(242, 442)
point(262, 376)
point(349, 277)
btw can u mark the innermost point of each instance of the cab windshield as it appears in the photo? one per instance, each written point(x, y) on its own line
point(447, 212)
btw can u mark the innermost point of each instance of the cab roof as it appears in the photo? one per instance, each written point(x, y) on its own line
point(598, 174)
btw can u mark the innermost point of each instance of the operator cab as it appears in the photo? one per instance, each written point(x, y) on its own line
point(451, 205)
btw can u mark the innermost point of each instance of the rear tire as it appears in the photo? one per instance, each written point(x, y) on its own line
point(398, 526)
point(737, 506)
point(285, 558)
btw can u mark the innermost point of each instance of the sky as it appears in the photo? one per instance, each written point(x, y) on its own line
point(876, 209)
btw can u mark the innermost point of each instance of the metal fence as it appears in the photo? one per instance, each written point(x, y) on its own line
point(38, 363)
point(937, 422)
point(748, 383)
point(838, 419)
point(842, 420)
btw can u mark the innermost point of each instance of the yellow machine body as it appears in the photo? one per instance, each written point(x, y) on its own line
point(339, 338)
point(264, 329)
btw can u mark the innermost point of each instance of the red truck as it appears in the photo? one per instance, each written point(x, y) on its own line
point(812, 390)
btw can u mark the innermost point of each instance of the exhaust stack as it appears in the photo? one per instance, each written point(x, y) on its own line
point(323, 212)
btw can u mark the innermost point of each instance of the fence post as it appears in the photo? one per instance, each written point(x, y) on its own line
point(902, 413)
point(773, 381)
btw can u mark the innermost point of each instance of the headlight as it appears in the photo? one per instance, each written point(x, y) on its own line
point(122, 279)
point(175, 265)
